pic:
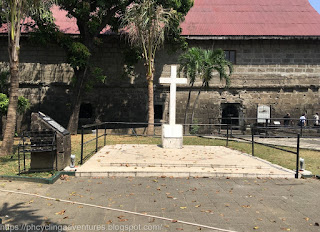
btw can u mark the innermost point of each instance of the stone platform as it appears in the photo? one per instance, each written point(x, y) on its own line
point(190, 161)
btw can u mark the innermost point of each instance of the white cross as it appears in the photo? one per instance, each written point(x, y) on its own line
point(173, 81)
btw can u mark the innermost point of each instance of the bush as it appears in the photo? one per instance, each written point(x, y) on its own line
point(194, 129)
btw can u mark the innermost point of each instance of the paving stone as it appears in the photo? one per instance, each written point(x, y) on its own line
point(285, 204)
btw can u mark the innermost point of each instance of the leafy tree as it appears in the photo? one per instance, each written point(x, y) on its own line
point(92, 17)
point(146, 24)
point(15, 11)
point(203, 63)
point(23, 103)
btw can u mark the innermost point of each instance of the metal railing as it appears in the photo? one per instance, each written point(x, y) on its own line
point(253, 142)
point(110, 128)
point(136, 129)
point(244, 132)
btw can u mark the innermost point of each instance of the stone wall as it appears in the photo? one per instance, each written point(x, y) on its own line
point(281, 73)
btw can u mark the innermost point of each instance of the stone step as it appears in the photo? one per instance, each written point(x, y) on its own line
point(190, 161)
point(199, 165)
point(182, 172)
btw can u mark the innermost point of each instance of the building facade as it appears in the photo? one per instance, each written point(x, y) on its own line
point(275, 67)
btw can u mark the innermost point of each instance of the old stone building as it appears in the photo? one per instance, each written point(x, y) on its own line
point(274, 45)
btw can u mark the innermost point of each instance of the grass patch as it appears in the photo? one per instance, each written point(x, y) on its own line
point(9, 164)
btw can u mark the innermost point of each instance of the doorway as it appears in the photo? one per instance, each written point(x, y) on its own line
point(86, 110)
point(230, 113)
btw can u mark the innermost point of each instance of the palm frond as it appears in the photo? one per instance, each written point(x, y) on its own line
point(146, 23)
point(199, 62)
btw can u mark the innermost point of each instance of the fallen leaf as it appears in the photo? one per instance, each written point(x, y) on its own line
point(66, 217)
point(174, 221)
point(256, 227)
point(61, 212)
point(197, 206)
point(64, 177)
point(207, 211)
point(306, 218)
point(108, 222)
point(183, 207)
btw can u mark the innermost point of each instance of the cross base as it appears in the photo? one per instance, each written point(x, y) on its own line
point(172, 136)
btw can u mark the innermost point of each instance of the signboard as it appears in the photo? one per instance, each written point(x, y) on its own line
point(54, 124)
point(264, 112)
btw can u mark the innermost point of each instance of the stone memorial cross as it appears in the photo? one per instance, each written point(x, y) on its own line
point(172, 133)
point(173, 81)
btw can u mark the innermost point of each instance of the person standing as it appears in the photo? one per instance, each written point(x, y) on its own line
point(302, 120)
point(286, 121)
point(316, 119)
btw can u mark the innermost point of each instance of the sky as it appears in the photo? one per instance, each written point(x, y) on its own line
point(315, 4)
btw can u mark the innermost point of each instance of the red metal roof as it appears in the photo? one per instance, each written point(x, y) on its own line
point(234, 18)
point(252, 18)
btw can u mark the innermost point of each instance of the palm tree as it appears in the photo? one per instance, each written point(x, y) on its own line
point(15, 12)
point(145, 25)
point(190, 64)
point(203, 63)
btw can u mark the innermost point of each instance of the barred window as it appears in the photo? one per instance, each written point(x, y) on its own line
point(231, 55)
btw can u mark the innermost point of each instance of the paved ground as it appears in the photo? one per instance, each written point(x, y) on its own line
point(307, 143)
point(190, 161)
point(236, 204)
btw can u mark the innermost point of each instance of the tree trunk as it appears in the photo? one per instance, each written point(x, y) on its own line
point(195, 103)
point(76, 101)
point(150, 130)
point(8, 138)
point(3, 126)
point(187, 106)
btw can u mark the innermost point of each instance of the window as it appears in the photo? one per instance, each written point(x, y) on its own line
point(231, 56)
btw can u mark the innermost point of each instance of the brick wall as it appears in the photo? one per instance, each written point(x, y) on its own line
point(281, 73)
